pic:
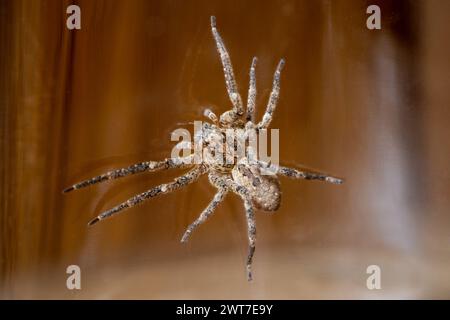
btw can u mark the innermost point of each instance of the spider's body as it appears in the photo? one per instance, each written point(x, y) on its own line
point(242, 176)
point(264, 189)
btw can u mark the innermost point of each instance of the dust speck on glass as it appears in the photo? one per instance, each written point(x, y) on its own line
point(243, 177)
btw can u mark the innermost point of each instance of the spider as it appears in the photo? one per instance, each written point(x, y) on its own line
point(243, 177)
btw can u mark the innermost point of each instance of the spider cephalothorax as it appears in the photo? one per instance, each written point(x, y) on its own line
point(244, 176)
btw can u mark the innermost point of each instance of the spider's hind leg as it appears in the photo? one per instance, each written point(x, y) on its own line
point(219, 196)
point(225, 181)
point(251, 230)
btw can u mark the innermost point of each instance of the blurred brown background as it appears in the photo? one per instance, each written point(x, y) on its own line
point(371, 106)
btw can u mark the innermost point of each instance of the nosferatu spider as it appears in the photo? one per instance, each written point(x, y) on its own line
point(244, 178)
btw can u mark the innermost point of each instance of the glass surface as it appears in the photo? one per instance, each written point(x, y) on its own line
point(367, 105)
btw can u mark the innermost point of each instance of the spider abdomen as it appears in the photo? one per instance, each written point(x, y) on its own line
point(264, 189)
point(267, 196)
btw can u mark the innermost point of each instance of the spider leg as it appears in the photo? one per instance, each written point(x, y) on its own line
point(224, 181)
point(228, 70)
point(298, 174)
point(251, 229)
point(178, 182)
point(150, 166)
point(251, 98)
point(273, 99)
point(219, 196)
point(302, 174)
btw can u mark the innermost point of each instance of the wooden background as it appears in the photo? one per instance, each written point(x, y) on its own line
point(371, 106)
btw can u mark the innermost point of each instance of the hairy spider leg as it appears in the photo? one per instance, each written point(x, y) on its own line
point(230, 81)
point(273, 99)
point(251, 97)
point(251, 230)
point(209, 210)
point(150, 166)
point(178, 183)
point(222, 181)
point(302, 174)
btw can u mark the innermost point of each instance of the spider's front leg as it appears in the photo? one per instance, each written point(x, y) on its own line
point(225, 181)
point(233, 93)
point(273, 99)
point(251, 97)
